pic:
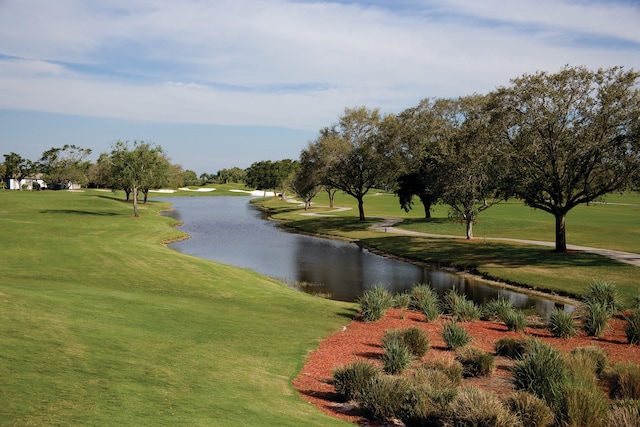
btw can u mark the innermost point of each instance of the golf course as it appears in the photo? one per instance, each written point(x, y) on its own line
point(103, 324)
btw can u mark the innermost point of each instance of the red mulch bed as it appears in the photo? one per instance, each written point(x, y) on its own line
point(362, 340)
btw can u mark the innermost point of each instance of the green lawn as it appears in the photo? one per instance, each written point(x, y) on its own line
point(613, 225)
point(102, 325)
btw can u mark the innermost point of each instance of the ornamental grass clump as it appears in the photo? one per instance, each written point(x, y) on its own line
point(454, 335)
point(625, 413)
point(352, 380)
point(583, 405)
point(597, 355)
point(479, 408)
point(396, 357)
point(402, 301)
point(415, 339)
point(495, 309)
point(604, 293)
point(542, 372)
point(460, 308)
point(632, 328)
point(430, 307)
point(475, 361)
point(450, 367)
point(596, 318)
point(562, 324)
point(624, 381)
point(374, 302)
point(419, 292)
point(384, 398)
point(514, 320)
point(530, 409)
point(510, 347)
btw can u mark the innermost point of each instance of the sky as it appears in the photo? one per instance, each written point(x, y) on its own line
point(224, 83)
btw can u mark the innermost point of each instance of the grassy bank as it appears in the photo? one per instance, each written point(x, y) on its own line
point(102, 325)
point(612, 225)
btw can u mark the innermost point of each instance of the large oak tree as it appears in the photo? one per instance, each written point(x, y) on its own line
point(573, 136)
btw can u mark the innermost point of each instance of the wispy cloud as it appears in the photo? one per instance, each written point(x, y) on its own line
point(290, 63)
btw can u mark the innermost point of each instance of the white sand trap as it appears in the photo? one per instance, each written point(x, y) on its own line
point(255, 192)
point(162, 190)
point(202, 190)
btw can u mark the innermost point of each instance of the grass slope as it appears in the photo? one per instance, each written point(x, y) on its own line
point(102, 325)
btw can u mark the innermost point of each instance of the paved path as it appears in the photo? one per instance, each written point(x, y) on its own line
point(387, 225)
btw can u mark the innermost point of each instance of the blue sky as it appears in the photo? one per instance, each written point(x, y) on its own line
point(228, 82)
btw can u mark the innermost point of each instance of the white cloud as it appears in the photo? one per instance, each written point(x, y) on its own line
point(283, 63)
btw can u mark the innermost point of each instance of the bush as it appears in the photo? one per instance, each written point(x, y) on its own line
point(426, 401)
point(384, 398)
point(421, 292)
point(461, 308)
point(352, 380)
point(513, 348)
point(624, 381)
point(475, 362)
point(562, 324)
point(402, 301)
point(604, 293)
point(494, 309)
point(454, 335)
point(595, 353)
point(374, 302)
point(430, 307)
point(542, 372)
point(396, 357)
point(596, 318)
point(415, 339)
point(584, 406)
point(625, 413)
point(479, 408)
point(450, 367)
point(514, 320)
point(530, 410)
point(632, 329)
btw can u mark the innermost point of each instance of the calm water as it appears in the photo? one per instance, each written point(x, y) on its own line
point(230, 231)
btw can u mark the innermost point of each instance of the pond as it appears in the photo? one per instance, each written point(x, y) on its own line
point(231, 231)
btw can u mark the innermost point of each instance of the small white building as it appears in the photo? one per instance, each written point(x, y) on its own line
point(27, 183)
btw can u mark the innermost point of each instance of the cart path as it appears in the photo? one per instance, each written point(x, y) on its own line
point(387, 225)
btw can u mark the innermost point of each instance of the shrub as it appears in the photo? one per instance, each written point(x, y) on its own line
point(374, 302)
point(596, 318)
point(541, 371)
point(461, 308)
point(475, 362)
point(595, 353)
point(604, 293)
point(632, 328)
point(402, 301)
point(584, 406)
point(430, 307)
point(351, 380)
point(452, 299)
point(450, 367)
point(510, 347)
point(581, 369)
point(396, 357)
point(419, 293)
point(479, 408)
point(624, 381)
point(426, 400)
point(562, 324)
point(384, 398)
point(514, 320)
point(625, 413)
point(530, 409)
point(454, 335)
point(494, 309)
point(415, 339)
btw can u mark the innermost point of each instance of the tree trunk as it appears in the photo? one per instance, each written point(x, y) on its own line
point(146, 194)
point(427, 208)
point(331, 194)
point(561, 232)
point(135, 201)
point(361, 208)
point(469, 229)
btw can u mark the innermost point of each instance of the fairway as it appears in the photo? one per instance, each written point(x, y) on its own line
point(103, 325)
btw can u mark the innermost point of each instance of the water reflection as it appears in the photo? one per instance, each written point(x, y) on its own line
point(229, 230)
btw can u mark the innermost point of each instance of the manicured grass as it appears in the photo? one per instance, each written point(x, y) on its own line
point(102, 325)
point(613, 225)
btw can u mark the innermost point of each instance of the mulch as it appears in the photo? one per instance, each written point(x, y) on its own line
point(362, 340)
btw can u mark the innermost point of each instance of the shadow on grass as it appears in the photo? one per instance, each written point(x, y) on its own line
point(331, 225)
point(470, 254)
point(78, 212)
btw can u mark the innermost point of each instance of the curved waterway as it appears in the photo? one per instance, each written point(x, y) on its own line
point(231, 231)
